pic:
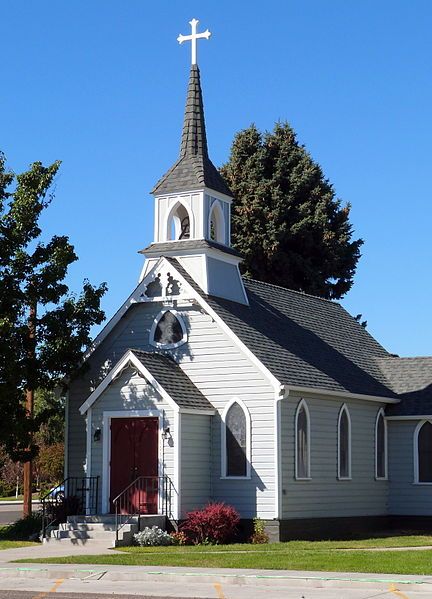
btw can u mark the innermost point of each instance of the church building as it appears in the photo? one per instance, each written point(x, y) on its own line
point(209, 386)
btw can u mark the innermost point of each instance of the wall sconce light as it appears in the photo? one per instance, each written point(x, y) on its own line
point(167, 433)
point(97, 434)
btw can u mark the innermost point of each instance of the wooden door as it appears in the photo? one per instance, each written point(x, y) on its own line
point(134, 454)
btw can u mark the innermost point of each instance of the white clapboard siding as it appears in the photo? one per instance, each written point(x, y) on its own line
point(195, 461)
point(324, 495)
point(221, 371)
point(406, 498)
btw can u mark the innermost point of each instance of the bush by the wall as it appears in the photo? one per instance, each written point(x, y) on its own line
point(259, 535)
point(215, 523)
point(25, 529)
point(153, 536)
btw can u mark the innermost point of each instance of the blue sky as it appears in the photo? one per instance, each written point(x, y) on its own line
point(101, 85)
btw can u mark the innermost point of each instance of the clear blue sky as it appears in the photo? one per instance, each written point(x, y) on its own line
point(101, 85)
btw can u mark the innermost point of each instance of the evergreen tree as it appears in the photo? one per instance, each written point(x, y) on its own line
point(287, 223)
point(43, 327)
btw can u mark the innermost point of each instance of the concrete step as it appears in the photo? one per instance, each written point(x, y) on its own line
point(90, 526)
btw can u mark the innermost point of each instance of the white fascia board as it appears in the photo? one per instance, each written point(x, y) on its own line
point(128, 358)
point(410, 417)
point(176, 194)
point(338, 394)
point(218, 195)
point(198, 411)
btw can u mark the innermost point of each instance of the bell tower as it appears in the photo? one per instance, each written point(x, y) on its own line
point(193, 204)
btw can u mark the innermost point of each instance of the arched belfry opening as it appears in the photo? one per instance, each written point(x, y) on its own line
point(217, 224)
point(179, 225)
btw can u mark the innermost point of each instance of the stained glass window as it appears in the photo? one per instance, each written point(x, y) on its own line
point(168, 330)
point(344, 445)
point(425, 453)
point(302, 432)
point(380, 447)
point(236, 445)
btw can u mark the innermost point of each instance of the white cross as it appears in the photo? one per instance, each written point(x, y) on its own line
point(193, 38)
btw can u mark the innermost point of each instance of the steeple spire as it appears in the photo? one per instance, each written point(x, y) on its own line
point(194, 139)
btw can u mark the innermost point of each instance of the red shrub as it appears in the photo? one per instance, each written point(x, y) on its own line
point(215, 523)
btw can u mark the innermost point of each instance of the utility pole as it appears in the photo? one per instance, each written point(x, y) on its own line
point(28, 466)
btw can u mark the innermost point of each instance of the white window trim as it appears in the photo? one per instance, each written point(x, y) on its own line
point(224, 475)
point(343, 409)
point(107, 416)
point(155, 323)
point(385, 477)
point(216, 207)
point(416, 453)
point(302, 404)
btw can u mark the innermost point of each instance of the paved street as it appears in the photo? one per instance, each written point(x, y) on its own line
point(10, 512)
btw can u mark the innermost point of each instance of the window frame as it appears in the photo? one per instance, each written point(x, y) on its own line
point(218, 211)
point(380, 414)
point(344, 409)
point(224, 461)
point(154, 327)
point(417, 430)
point(302, 404)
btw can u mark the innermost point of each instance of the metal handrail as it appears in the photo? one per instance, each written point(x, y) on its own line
point(124, 506)
point(83, 489)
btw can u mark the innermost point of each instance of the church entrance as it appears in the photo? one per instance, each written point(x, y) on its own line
point(134, 465)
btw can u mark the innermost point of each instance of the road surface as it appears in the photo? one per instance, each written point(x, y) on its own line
point(9, 513)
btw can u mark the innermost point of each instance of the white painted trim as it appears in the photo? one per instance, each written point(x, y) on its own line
point(88, 453)
point(223, 474)
point(218, 195)
point(169, 215)
point(343, 409)
point(106, 450)
point(128, 357)
point(177, 466)
point(66, 437)
point(220, 224)
point(302, 404)
point(155, 324)
point(416, 452)
point(411, 417)
point(200, 412)
point(380, 414)
point(278, 455)
point(339, 394)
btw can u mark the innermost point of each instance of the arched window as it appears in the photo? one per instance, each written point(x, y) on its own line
point(217, 223)
point(178, 223)
point(380, 446)
point(302, 441)
point(235, 441)
point(344, 444)
point(168, 330)
point(423, 452)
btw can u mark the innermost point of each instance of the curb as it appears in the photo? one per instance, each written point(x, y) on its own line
point(262, 580)
point(19, 502)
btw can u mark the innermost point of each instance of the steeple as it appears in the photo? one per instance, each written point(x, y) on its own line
point(194, 169)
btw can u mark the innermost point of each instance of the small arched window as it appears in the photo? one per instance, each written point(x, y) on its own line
point(217, 223)
point(423, 452)
point(380, 446)
point(235, 441)
point(178, 223)
point(344, 444)
point(302, 441)
point(168, 330)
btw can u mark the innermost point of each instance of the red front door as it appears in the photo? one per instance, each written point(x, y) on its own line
point(134, 454)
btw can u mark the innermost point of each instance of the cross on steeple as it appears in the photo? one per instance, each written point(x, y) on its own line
point(193, 38)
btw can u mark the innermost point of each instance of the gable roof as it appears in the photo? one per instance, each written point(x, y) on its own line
point(303, 340)
point(411, 379)
point(194, 168)
point(187, 244)
point(163, 374)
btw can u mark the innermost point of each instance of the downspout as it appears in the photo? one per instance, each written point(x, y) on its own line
point(280, 394)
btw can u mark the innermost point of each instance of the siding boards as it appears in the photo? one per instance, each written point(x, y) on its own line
point(324, 495)
point(195, 461)
point(406, 498)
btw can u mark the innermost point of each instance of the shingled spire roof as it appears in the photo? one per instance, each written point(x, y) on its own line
point(193, 169)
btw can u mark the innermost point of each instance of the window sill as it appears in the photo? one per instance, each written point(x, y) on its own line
point(342, 478)
point(381, 478)
point(421, 484)
point(248, 477)
point(300, 478)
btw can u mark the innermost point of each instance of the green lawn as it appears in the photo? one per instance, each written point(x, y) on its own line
point(15, 544)
point(295, 555)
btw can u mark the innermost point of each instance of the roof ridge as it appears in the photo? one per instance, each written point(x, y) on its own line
point(303, 293)
point(407, 357)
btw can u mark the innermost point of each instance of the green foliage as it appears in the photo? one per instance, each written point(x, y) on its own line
point(23, 529)
point(32, 274)
point(287, 223)
point(259, 536)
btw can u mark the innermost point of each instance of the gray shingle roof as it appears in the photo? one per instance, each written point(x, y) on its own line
point(187, 244)
point(172, 378)
point(194, 168)
point(411, 379)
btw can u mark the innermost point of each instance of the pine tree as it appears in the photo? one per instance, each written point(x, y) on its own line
point(287, 222)
point(44, 329)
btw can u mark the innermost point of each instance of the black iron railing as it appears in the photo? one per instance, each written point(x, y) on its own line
point(144, 496)
point(75, 496)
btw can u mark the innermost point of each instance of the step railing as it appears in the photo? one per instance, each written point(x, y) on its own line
point(146, 495)
point(75, 496)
